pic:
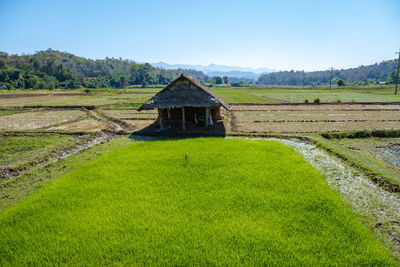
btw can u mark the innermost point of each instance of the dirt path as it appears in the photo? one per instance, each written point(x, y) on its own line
point(119, 126)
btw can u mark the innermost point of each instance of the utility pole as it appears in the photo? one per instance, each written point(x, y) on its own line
point(303, 77)
point(397, 73)
point(330, 80)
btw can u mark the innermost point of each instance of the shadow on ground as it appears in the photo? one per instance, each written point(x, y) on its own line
point(152, 131)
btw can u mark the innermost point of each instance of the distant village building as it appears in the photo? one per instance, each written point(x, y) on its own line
point(185, 101)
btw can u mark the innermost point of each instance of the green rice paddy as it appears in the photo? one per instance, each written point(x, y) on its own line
point(206, 201)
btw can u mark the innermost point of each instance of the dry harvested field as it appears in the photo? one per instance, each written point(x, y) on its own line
point(72, 98)
point(83, 125)
point(309, 118)
point(39, 119)
point(131, 114)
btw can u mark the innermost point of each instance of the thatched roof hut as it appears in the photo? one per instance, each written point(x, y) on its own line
point(187, 99)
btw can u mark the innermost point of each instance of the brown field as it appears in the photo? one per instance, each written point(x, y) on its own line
point(131, 114)
point(39, 119)
point(139, 124)
point(83, 125)
point(313, 118)
point(71, 99)
point(318, 116)
point(312, 127)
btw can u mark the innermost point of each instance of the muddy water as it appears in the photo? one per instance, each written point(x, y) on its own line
point(391, 155)
point(379, 209)
point(81, 147)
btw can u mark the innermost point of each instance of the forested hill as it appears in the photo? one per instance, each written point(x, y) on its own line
point(53, 69)
point(379, 72)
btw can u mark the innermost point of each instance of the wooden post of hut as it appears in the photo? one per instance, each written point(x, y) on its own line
point(207, 116)
point(169, 113)
point(183, 119)
point(160, 115)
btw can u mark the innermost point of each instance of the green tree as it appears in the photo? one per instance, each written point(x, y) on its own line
point(225, 78)
point(3, 63)
point(340, 82)
point(391, 79)
point(218, 80)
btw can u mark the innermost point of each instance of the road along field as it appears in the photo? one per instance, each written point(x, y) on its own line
point(310, 118)
point(220, 203)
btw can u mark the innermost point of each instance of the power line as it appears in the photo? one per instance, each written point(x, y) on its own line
point(397, 74)
point(330, 79)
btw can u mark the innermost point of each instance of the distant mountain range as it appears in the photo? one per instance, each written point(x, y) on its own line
point(218, 70)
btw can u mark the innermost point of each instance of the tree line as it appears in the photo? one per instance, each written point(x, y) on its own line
point(51, 69)
point(379, 72)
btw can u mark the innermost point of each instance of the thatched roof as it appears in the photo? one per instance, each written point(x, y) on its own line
point(184, 91)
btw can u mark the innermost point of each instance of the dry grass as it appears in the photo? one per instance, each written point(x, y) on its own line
point(139, 124)
point(39, 119)
point(314, 118)
point(310, 127)
point(68, 99)
point(316, 115)
point(83, 125)
point(127, 114)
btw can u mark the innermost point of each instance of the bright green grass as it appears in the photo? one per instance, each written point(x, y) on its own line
point(241, 95)
point(299, 96)
point(4, 112)
point(227, 202)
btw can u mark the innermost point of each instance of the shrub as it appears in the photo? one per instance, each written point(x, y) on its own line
point(386, 133)
point(340, 82)
point(338, 101)
point(306, 100)
point(363, 134)
point(317, 100)
point(359, 134)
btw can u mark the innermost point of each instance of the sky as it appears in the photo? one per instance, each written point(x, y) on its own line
point(284, 35)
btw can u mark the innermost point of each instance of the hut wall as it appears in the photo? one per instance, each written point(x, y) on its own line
point(192, 115)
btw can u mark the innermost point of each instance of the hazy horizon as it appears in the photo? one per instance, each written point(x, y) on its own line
point(285, 35)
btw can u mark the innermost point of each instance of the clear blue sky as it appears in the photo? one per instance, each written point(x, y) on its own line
point(309, 35)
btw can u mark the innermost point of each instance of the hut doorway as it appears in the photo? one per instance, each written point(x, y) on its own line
point(188, 117)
